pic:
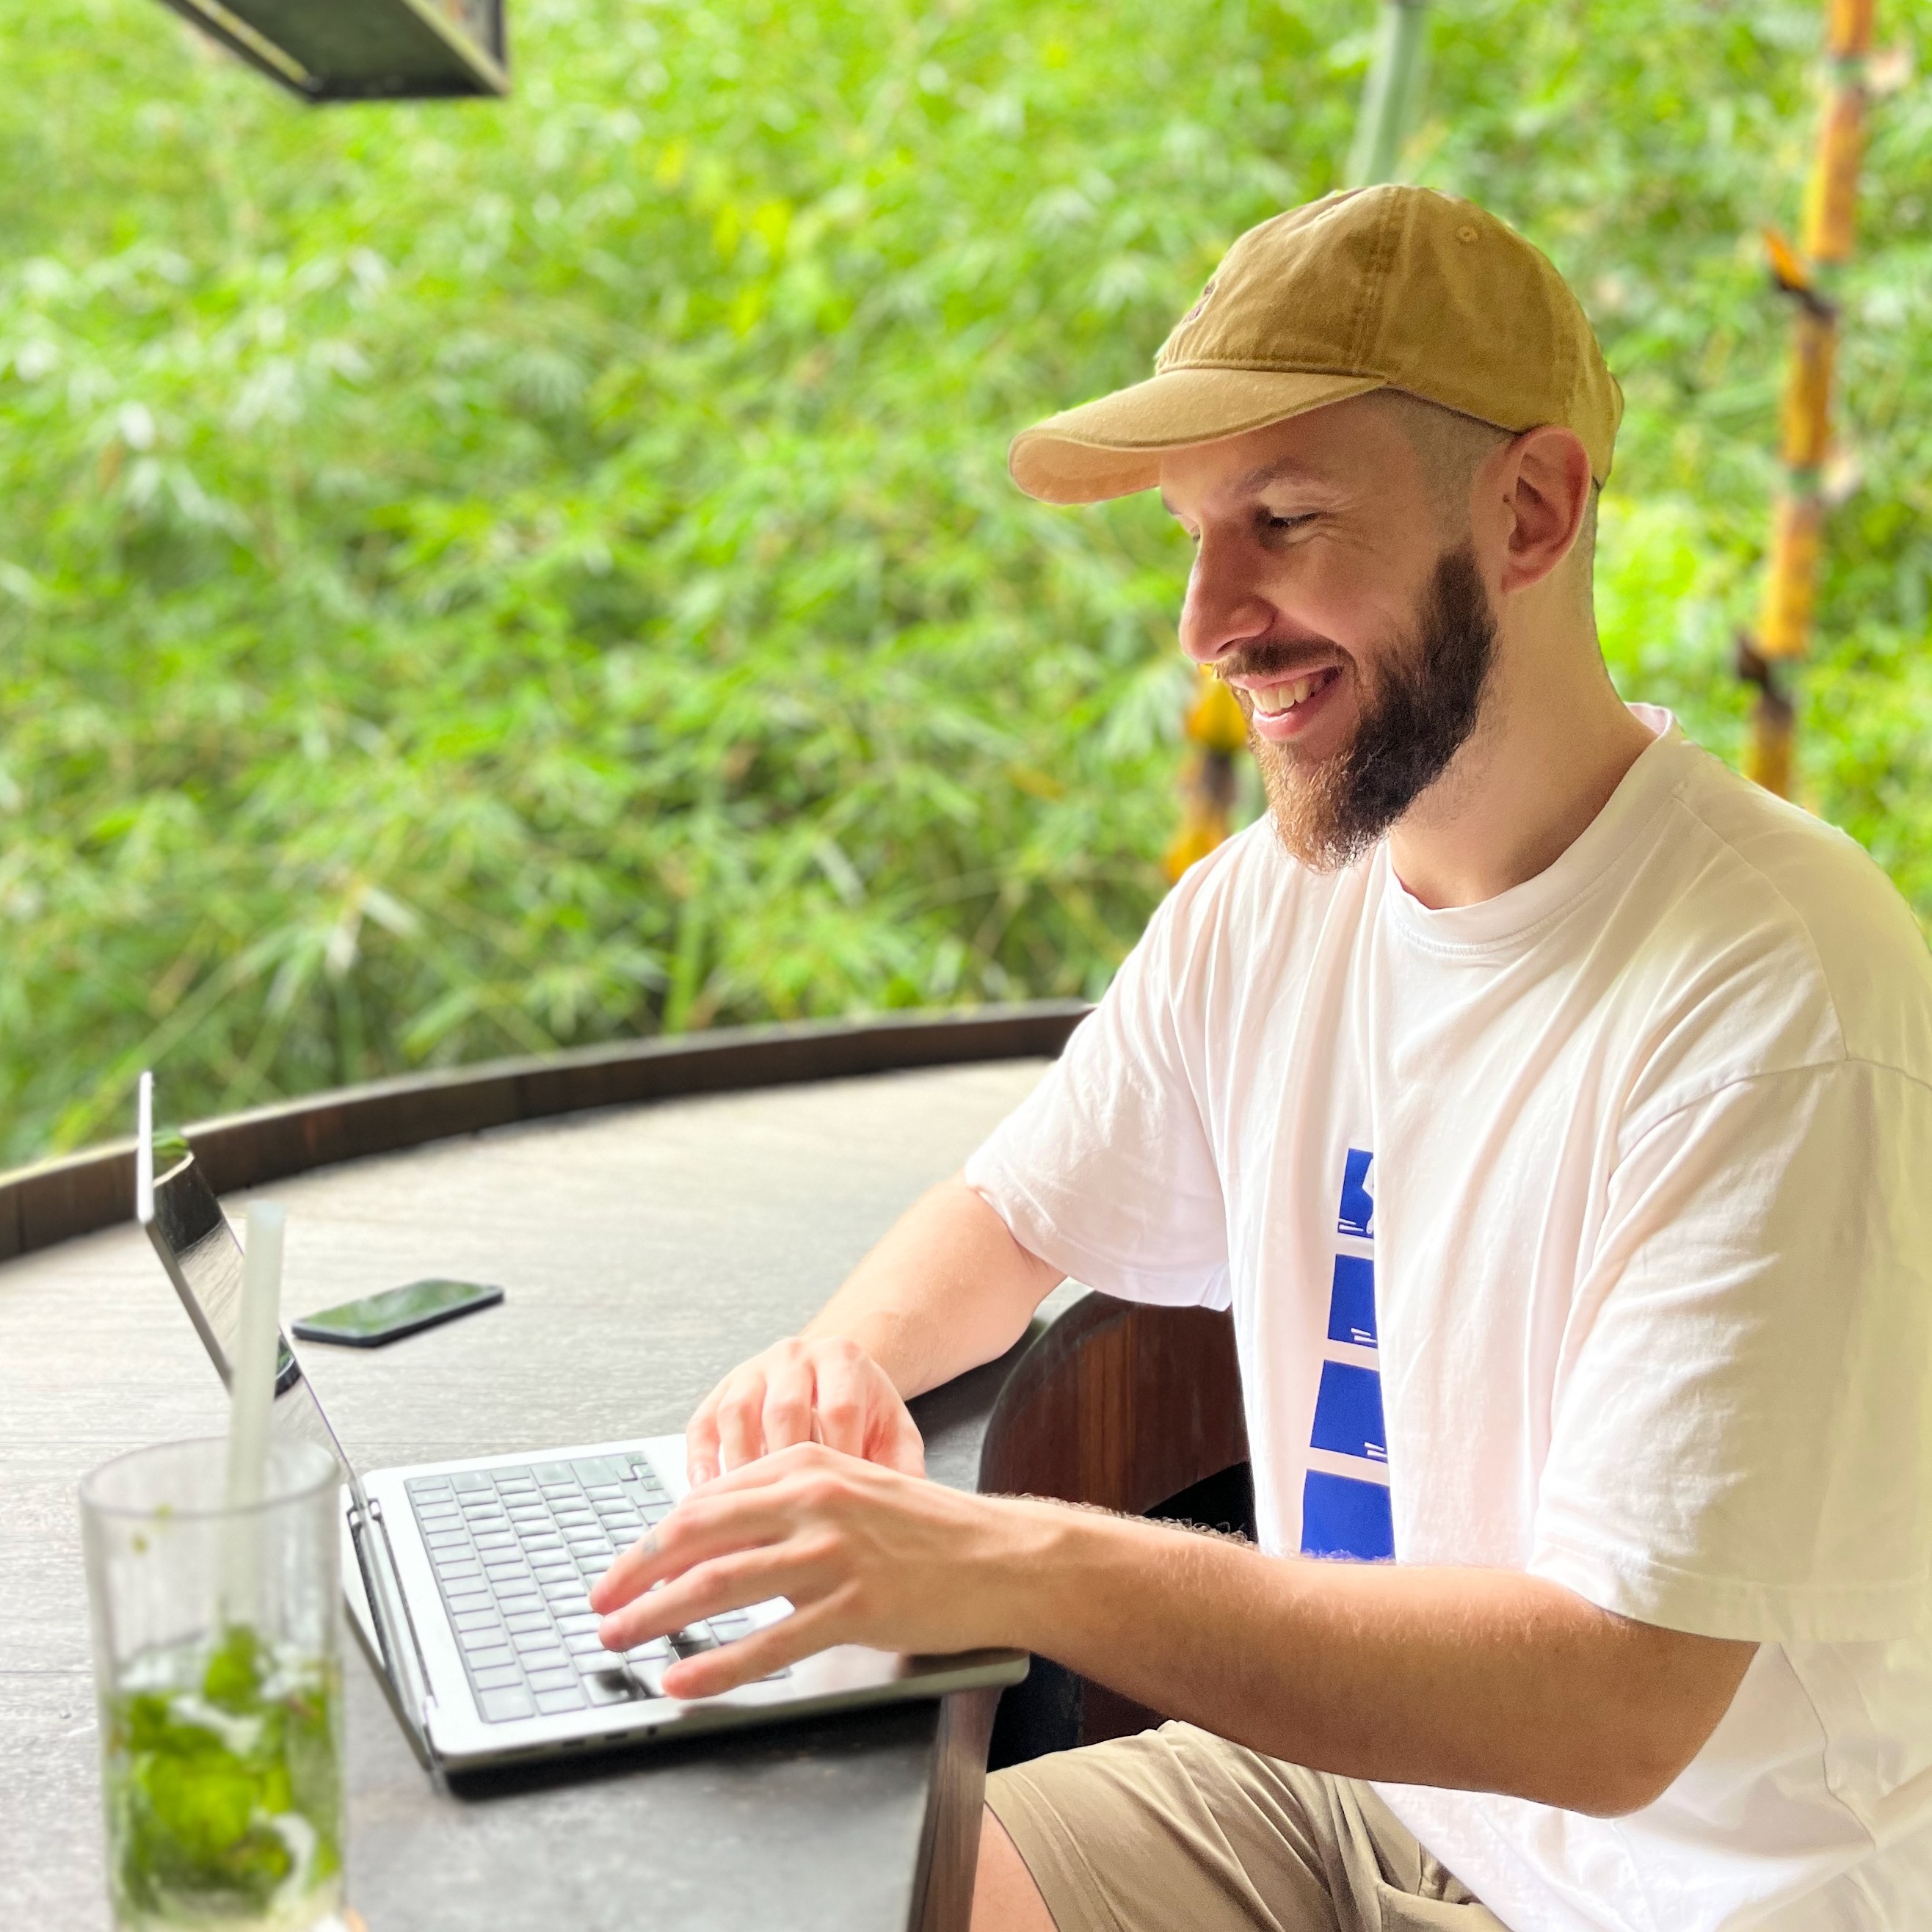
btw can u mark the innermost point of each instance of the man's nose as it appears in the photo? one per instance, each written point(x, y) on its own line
point(1224, 608)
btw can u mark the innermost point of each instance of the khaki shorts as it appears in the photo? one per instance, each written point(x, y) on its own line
point(1179, 1831)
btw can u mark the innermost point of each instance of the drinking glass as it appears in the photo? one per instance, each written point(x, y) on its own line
point(217, 1664)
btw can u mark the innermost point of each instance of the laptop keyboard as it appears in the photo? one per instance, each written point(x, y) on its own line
point(516, 1551)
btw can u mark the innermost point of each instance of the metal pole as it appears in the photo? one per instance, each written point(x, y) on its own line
point(1389, 96)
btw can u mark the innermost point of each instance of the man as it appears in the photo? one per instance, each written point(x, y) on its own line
point(1526, 1083)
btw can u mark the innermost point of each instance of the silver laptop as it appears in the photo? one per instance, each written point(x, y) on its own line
point(467, 1581)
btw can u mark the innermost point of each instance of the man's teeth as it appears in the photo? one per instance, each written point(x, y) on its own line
point(1272, 700)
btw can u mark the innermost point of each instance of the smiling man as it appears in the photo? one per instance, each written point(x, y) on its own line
point(1554, 1111)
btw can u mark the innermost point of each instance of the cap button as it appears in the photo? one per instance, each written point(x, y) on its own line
point(1466, 233)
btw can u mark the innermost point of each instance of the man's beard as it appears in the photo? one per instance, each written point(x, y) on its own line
point(1425, 704)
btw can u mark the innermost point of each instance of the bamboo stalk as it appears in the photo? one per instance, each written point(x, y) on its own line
point(1216, 728)
point(1790, 606)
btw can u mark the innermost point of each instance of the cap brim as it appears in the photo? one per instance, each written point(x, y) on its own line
point(1113, 447)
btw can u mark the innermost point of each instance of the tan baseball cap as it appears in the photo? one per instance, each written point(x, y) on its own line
point(1375, 288)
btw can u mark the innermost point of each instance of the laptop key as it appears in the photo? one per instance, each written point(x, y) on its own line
point(554, 1703)
point(490, 1637)
point(557, 1677)
point(650, 1676)
point(460, 1601)
point(609, 1687)
point(491, 1656)
point(470, 1479)
point(477, 1620)
point(497, 1678)
point(499, 1707)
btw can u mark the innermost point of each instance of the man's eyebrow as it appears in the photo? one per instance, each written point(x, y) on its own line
point(1286, 469)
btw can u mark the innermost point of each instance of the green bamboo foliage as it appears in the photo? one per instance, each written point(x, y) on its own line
point(475, 577)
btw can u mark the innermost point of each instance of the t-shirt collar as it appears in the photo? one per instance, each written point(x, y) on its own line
point(1513, 917)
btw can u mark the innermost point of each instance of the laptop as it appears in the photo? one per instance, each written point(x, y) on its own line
point(467, 1580)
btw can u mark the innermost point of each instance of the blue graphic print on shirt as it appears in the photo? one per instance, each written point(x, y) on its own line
point(1344, 1514)
point(1357, 1215)
point(1351, 1308)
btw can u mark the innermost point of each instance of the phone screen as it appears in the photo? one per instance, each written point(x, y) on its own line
point(377, 1318)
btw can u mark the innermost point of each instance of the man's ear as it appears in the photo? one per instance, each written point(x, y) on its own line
point(1544, 488)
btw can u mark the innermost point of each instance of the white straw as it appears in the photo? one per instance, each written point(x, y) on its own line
point(252, 1393)
point(144, 1152)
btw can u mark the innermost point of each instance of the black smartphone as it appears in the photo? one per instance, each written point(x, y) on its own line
point(377, 1318)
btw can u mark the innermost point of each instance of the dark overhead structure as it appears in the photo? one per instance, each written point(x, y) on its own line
point(363, 49)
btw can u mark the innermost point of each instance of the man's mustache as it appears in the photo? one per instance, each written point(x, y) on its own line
point(1278, 658)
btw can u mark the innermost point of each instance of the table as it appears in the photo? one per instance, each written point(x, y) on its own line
point(644, 1248)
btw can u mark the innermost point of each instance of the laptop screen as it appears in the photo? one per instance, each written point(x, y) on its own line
point(174, 1202)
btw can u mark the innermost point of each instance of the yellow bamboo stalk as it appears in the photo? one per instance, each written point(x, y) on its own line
point(1785, 618)
point(1217, 730)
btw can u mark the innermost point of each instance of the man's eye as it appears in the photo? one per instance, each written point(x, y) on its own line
point(1289, 522)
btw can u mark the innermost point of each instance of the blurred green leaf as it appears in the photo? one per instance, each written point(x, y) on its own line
point(478, 577)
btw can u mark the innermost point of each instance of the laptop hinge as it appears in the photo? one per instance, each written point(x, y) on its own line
point(395, 1628)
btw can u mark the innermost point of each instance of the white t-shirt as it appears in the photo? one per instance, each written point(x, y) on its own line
point(1585, 1231)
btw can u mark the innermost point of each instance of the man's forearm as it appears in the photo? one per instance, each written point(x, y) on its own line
point(1482, 1679)
point(947, 1289)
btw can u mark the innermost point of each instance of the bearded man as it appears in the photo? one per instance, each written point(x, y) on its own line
point(1552, 1108)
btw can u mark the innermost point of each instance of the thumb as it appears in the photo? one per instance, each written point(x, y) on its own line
point(904, 1449)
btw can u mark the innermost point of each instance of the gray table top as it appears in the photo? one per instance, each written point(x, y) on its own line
point(644, 1250)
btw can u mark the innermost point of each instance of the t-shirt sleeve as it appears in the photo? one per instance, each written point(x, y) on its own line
point(1741, 1439)
point(1106, 1170)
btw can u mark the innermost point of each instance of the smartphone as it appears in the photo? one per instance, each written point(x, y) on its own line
point(377, 1318)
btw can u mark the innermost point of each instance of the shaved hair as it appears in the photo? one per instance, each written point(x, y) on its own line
point(1451, 447)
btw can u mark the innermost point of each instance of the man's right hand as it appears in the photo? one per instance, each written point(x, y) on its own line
point(829, 1391)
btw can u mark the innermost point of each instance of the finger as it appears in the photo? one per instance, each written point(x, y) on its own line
point(761, 1472)
point(698, 1531)
point(842, 1402)
point(700, 1441)
point(787, 1417)
point(771, 1647)
point(904, 1449)
point(729, 1582)
point(629, 1573)
point(741, 1422)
